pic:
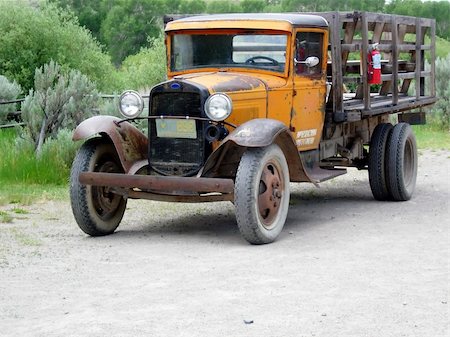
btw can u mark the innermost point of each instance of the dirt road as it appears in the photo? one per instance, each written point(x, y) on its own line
point(345, 265)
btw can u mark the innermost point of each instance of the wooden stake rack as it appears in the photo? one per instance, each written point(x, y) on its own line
point(402, 45)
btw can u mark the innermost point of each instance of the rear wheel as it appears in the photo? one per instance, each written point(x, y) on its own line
point(401, 162)
point(96, 210)
point(377, 162)
point(262, 194)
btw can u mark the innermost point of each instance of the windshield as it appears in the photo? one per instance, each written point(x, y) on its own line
point(255, 50)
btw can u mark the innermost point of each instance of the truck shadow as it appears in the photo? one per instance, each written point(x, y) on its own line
point(310, 208)
point(313, 208)
point(187, 221)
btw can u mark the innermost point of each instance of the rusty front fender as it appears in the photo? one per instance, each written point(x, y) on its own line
point(130, 143)
point(260, 132)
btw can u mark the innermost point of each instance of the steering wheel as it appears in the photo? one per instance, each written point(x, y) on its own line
point(252, 60)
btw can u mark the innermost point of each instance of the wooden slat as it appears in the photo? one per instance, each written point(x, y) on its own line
point(384, 47)
point(405, 85)
point(336, 54)
point(348, 39)
point(401, 33)
point(433, 58)
point(394, 60)
point(378, 32)
point(346, 47)
point(385, 105)
point(365, 51)
point(418, 56)
point(411, 75)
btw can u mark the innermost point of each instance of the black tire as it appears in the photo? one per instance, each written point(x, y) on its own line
point(377, 162)
point(401, 162)
point(96, 210)
point(261, 194)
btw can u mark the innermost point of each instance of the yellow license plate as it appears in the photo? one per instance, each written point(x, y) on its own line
point(176, 128)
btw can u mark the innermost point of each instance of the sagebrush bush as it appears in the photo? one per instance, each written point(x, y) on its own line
point(441, 110)
point(59, 100)
point(109, 106)
point(60, 150)
point(8, 91)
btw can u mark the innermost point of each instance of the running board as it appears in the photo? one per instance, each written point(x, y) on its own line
point(318, 174)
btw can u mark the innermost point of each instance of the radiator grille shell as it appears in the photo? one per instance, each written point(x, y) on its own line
point(177, 156)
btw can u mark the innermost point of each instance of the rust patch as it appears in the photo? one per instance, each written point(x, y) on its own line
point(323, 107)
point(238, 83)
point(130, 143)
point(293, 113)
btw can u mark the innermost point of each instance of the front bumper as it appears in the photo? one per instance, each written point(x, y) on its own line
point(162, 188)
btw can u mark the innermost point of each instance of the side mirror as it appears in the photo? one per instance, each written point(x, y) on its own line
point(310, 62)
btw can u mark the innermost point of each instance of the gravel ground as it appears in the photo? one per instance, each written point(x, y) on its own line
point(345, 265)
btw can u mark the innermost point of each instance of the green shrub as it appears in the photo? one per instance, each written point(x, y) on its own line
point(8, 91)
point(59, 100)
point(63, 149)
point(441, 110)
point(110, 107)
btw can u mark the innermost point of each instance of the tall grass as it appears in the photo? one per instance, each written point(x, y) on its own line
point(431, 136)
point(19, 164)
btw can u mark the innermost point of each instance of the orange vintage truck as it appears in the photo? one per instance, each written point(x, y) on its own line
point(254, 102)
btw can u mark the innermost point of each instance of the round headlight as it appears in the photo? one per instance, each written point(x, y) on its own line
point(218, 107)
point(131, 104)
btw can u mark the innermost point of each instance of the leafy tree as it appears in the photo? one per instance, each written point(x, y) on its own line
point(332, 5)
point(438, 10)
point(59, 100)
point(90, 14)
point(252, 6)
point(223, 6)
point(32, 36)
point(192, 7)
point(129, 25)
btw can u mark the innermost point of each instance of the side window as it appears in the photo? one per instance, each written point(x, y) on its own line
point(308, 44)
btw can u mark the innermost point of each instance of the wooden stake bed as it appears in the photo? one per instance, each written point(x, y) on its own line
point(355, 110)
point(402, 45)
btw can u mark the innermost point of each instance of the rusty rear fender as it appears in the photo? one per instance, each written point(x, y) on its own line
point(130, 143)
point(260, 132)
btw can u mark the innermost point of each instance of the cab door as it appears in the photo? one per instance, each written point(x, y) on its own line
point(308, 106)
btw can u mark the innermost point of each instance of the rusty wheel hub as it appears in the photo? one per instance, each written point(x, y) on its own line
point(270, 194)
point(106, 202)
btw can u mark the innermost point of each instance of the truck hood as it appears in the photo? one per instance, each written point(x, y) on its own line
point(233, 82)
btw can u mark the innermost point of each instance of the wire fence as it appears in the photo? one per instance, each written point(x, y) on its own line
point(14, 118)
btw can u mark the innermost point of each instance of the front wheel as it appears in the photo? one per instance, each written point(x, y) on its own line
point(262, 194)
point(97, 210)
